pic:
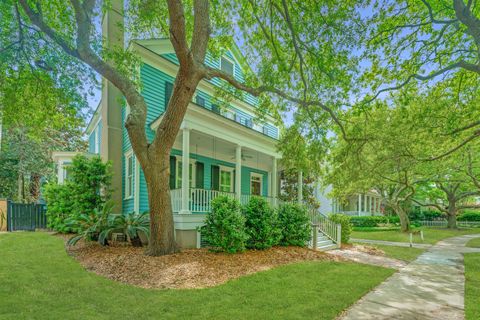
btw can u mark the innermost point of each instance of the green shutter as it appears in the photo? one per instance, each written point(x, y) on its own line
point(173, 160)
point(215, 178)
point(233, 178)
point(168, 93)
point(199, 175)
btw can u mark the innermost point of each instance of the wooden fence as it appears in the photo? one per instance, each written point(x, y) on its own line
point(3, 214)
point(26, 216)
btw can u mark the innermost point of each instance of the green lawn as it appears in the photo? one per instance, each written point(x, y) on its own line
point(38, 280)
point(401, 253)
point(431, 235)
point(474, 243)
point(472, 286)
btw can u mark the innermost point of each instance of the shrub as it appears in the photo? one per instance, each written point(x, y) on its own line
point(469, 215)
point(89, 226)
point(368, 221)
point(224, 228)
point(344, 221)
point(427, 215)
point(130, 224)
point(294, 225)
point(87, 189)
point(60, 204)
point(261, 224)
point(90, 182)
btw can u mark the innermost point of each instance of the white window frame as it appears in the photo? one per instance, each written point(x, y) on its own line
point(256, 175)
point(229, 114)
point(178, 177)
point(96, 140)
point(229, 60)
point(232, 177)
point(129, 178)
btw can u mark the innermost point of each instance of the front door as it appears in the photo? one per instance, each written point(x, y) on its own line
point(256, 184)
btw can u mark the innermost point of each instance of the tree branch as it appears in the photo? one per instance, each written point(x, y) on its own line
point(201, 25)
point(210, 73)
point(178, 35)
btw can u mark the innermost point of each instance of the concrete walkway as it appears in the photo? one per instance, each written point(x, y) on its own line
point(431, 287)
point(391, 243)
point(366, 258)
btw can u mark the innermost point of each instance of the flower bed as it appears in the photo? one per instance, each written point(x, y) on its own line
point(191, 268)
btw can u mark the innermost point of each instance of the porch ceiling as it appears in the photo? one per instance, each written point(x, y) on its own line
point(220, 149)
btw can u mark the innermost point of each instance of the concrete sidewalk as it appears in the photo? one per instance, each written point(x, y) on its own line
point(391, 243)
point(431, 287)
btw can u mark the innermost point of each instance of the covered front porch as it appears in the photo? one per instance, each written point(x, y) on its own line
point(361, 204)
point(218, 155)
point(213, 167)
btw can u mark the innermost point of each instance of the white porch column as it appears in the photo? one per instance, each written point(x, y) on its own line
point(374, 205)
point(60, 172)
point(185, 170)
point(359, 203)
point(365, 202)
point(300, 187)
point(274, 180)
point(238, 172)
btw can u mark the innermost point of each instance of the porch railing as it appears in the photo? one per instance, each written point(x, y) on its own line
point(245, 198)
point(330, 229)
point(359, 214)
point(200, 200)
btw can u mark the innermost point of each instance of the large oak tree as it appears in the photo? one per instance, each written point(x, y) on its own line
point(300, 51)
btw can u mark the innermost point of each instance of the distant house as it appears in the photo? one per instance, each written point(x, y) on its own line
point(357, 204)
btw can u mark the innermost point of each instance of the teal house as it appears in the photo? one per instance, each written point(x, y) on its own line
point(221, 149)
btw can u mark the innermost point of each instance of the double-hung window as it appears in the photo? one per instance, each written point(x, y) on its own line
point(227, 66)
point(179, 169)
point(226, 179)
point(129, 175)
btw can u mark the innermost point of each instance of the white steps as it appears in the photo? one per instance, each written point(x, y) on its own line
point(324, 243)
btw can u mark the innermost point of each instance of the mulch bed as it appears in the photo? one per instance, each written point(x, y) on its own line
point(191, 268)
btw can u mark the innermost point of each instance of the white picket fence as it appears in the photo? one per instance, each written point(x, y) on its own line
point(444, 223)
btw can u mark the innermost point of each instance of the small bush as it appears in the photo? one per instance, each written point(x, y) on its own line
point(224, 228)
point(90, 225)
point(344, 221)
point(469, 215)
point(131, 224)
point(87, 189)
point(427, 215)
point(261, 224)
point(294, 225)
point(368, 221)
point(60, 206)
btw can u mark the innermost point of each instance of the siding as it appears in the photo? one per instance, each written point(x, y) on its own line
point(128, 204)
point(214, 62)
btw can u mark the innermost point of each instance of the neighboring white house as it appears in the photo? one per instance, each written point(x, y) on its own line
point(62, 160)
point(358, 204)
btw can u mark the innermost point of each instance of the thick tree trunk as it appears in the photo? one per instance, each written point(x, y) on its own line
point(35, 186)
point(404, 220)
point(452, 214)
point(162, 237)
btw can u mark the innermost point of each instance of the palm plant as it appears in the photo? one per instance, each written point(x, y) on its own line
point(90, 226)
point(131, 224)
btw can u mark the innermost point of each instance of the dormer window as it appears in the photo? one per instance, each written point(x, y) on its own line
point(226, 66)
